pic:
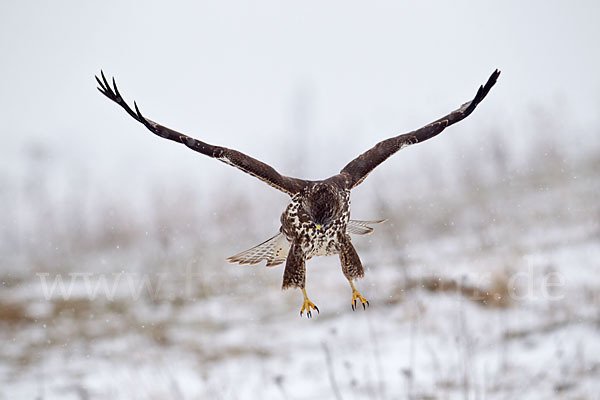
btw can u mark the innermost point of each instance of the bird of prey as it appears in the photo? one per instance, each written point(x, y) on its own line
point(317, 221)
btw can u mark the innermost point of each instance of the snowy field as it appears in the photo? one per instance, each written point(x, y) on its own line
point(490, 290)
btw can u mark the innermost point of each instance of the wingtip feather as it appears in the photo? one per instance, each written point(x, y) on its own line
point(137, 110)
point(98, 80)
point(104, 78)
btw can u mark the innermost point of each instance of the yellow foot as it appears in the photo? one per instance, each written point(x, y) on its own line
point(356, 296)
point(308, 306)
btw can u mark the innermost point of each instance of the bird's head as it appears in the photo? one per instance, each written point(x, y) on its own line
point(322, 205)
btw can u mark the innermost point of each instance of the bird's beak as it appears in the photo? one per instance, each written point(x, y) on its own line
point(319, 227)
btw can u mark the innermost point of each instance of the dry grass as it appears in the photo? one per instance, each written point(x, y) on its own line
point(14, 313)
point(497, 295)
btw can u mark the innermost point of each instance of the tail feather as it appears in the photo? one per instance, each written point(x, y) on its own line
point(274, 250)
point(362, 227)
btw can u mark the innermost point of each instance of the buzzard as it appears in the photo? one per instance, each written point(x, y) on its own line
point(317, 221)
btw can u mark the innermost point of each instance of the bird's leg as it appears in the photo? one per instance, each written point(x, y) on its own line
point(357, 296)
point(352, 268)
point(307, 305)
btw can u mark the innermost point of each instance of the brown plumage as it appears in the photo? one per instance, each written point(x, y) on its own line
point(317, 220)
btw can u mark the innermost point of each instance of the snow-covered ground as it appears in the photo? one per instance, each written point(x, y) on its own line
point(492, 292)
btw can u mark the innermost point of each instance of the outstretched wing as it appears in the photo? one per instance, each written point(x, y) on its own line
point(358, 169)
point(239, 160)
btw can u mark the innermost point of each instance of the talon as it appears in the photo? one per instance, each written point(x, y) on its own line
point(357, 296)
point(308, 306)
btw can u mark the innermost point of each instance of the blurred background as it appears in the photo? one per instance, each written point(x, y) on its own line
point(484, 282)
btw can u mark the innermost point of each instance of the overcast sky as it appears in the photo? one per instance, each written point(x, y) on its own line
point(251, 75)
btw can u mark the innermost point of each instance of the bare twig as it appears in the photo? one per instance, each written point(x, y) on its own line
point(377, 357)
point(332, 381)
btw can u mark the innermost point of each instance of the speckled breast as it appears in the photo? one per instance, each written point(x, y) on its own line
point(297, 225)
